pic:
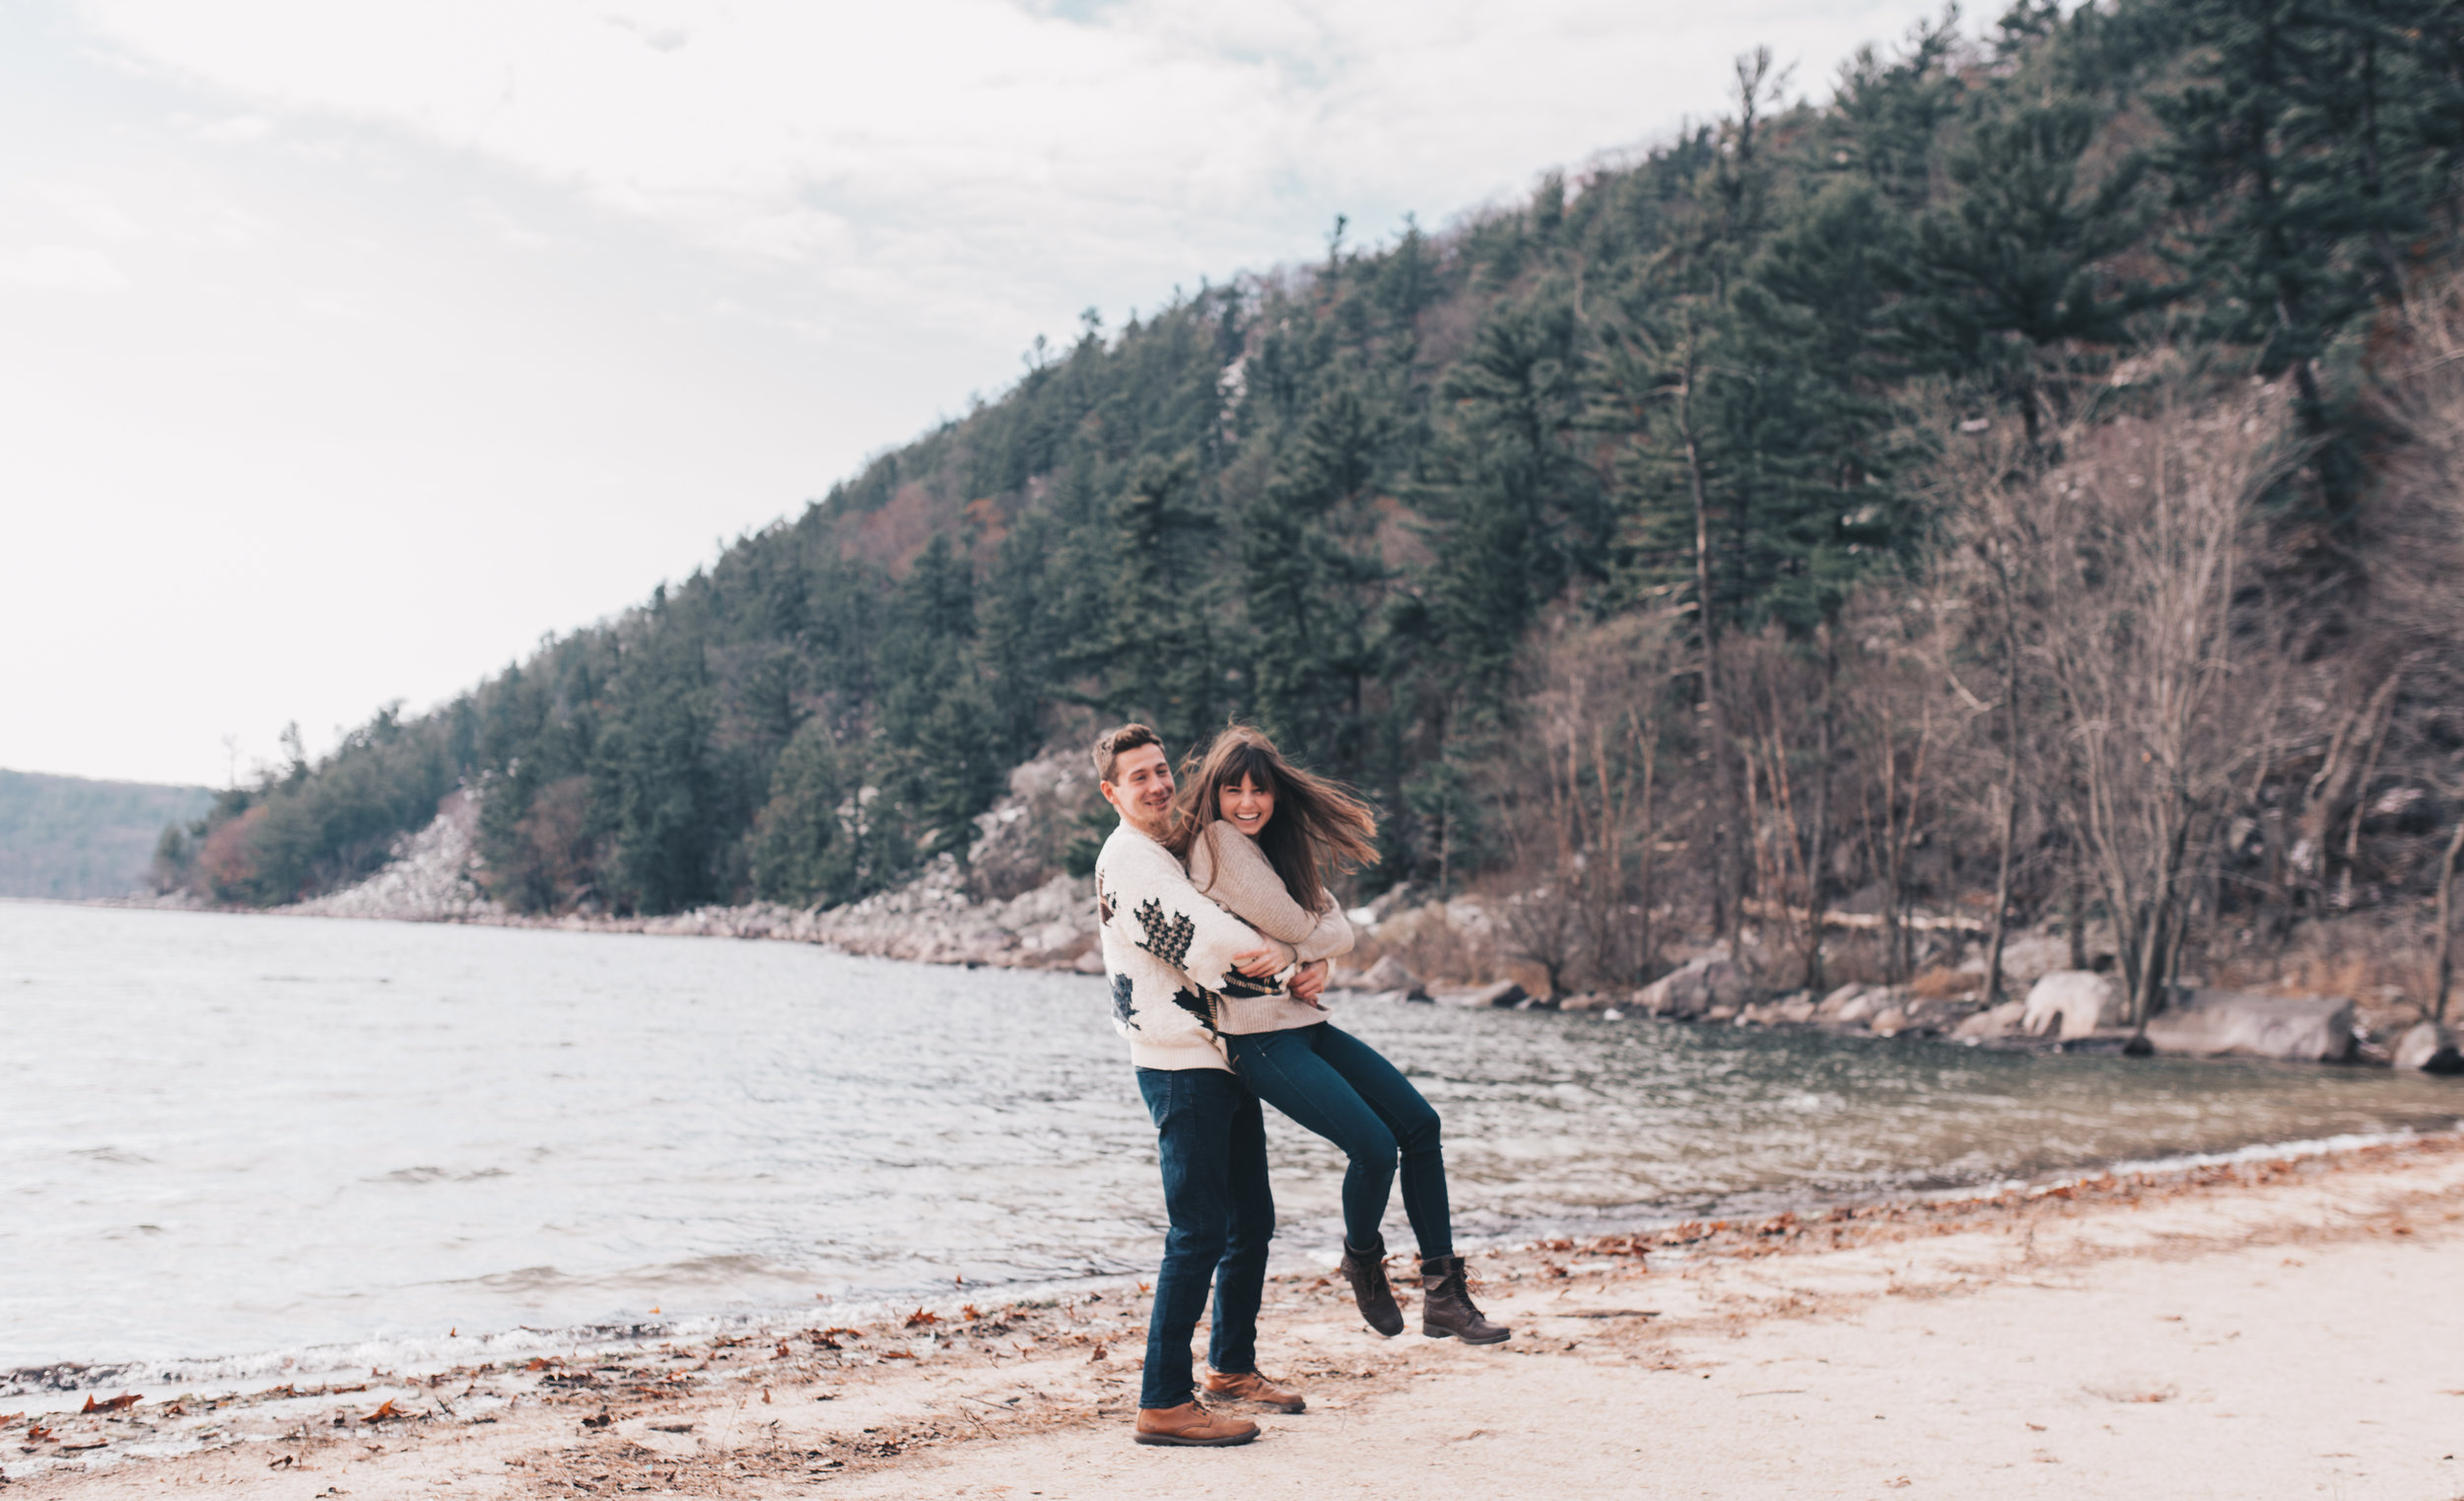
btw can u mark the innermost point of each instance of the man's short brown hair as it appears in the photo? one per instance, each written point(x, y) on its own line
point(1112, 742)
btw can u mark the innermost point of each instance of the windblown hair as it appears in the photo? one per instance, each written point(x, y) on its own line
point(1316, 826)
point(1112, 742)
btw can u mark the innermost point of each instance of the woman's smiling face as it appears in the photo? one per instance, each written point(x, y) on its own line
point(1246, 806)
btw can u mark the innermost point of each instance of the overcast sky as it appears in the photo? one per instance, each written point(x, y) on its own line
point(346, 348)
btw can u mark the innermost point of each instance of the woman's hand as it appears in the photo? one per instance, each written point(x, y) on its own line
point(1310, 983)
point(1259, 963)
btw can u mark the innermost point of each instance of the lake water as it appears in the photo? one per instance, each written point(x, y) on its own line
point(227, 1142)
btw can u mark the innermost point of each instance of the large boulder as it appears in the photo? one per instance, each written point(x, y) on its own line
point(1504, 992)
point(2308, 1029)
point(1387, 975)
point(2072, 1004)
point(1696, 988)
point(2428, 1049)
point(2004, 1020)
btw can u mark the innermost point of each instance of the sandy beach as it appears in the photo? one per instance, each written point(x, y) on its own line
point(2278, 1328)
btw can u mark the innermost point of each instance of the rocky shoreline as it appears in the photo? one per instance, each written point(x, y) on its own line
point(944, 915)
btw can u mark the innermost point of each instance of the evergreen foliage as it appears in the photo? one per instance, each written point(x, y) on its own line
point(1342, 501)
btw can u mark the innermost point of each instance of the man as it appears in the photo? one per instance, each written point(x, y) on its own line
point(1171, 956)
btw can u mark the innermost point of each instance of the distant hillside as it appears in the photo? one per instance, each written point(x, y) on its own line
point(68, 836)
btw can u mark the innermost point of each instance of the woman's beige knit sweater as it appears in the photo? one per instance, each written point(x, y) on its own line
point(1230, 870)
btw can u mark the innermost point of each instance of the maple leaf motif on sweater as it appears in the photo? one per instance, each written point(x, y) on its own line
point(1103, 903)
point(1166, 939)
point(1199, 1005)
point(1125, 1003)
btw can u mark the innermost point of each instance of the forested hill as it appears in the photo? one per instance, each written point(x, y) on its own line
point(1417, 506)
point(64, 838)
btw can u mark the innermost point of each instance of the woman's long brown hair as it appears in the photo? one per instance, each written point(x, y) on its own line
point(1316, 824)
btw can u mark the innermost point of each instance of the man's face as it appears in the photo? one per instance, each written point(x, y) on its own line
point(1141, 790)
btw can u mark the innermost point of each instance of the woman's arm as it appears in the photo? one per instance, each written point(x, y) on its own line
point(1227, 866)
point(1332, 936)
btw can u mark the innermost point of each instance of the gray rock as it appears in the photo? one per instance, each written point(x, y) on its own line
point(1890, 1023)
point(1797, 1009)
point(1834, 1002)
point(2428, 1049)
point(1589, 1001)
point(2072, 1004)
point(2308, 1029)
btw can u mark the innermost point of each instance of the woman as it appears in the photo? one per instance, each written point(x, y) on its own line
point(1258, 834)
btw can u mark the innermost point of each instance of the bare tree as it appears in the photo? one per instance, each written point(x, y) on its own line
point(2137, 549)
point(1584, 793)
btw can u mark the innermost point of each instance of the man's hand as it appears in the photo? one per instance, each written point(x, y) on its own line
point(1310, 983)
point(1259, 963)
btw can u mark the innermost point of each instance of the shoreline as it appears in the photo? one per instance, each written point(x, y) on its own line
point(924, 1403)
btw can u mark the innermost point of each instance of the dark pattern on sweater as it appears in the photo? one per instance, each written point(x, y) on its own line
point(1168, 940)
point(1123, 1002)
point(1199, 1005)
point(1237, 984)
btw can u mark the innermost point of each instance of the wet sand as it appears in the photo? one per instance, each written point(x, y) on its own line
point(2280, 1329)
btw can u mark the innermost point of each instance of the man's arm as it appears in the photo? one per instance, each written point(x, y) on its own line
point(1163, 913)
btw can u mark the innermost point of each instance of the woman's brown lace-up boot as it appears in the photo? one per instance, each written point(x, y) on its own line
point(1366, 1271)
point(1446, 1306)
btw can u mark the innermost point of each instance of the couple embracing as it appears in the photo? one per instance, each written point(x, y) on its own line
point(1217, 927)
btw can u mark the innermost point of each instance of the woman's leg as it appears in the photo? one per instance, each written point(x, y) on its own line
point(1413, 1122)
point(1288, 1074)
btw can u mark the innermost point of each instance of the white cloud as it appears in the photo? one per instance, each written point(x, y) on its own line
point(439, 325)
point(63, 268)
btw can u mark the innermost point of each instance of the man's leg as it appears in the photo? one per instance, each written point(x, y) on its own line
point(1193, 1110)
point(1241, 1276)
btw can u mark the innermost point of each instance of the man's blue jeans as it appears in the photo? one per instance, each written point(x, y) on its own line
point(1211, 1137)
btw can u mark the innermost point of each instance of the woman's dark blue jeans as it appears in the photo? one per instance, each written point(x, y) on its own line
point(1344, 1090)
point(1212, 1139)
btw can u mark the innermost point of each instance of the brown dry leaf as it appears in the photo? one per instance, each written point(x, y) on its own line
point(970, 1313)
point(382, 1412)
point(1100, 1354)
point(94, 1443)
point(285, 1462)
point(920, 1317)
point(40, 1434)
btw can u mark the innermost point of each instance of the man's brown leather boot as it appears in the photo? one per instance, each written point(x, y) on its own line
point(1250, 1387)
point(1192, 1426)
point(1446, 1306)
point(1366, 1271)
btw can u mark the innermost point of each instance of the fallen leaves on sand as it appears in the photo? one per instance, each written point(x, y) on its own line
point(1101, 1355)
point(116, 1404)
point(921, 1316)
point(384, 1413)
point(40, 1434)
point(93, 1443)
point(602, 1420)
point(283, 1462)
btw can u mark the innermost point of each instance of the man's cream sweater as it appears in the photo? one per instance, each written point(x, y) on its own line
point(1168, 952)
point(1228, 868)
